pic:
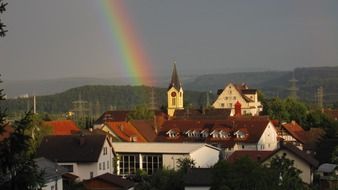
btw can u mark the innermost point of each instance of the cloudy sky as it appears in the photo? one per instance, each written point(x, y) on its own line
point(71, 38)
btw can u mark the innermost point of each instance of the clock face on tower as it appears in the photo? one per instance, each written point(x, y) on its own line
point(173, 94)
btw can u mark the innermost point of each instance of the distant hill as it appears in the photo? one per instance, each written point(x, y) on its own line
point(276, 83)
point(101, 98)
point(105, 97)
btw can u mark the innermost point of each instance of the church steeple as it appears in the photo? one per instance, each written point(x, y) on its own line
point(174, 93)
point(175, 81)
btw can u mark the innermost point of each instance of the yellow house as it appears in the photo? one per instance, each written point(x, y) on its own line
point(247, 98)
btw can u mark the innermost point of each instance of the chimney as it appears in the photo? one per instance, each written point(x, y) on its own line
point(238, 109)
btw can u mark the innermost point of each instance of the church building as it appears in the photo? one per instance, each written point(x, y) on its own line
point(174, 93)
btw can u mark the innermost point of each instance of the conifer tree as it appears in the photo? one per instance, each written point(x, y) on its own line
point(18, 171)
point(2, 25)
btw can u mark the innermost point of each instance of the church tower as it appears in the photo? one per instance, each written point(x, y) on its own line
point(174, 93)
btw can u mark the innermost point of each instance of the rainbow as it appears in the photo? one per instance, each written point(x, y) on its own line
point(134, 60)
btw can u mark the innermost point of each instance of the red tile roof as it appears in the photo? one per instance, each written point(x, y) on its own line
point(253, 126)
point(63, 127)
point(146, 128)
point(295, 131)
point(126, 131)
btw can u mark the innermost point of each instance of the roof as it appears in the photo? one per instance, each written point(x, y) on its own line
point(126, 131)
point(296, 151)
point(72, 148)
point(254, 126)
point(110, 116)
point(145, 128)
point(295, 131)
point(327, 168)
point(51, 169)
point(181, 148)
point(113, 179)
point(175, 81)
point(254, 155)
point(202, 114)
point(63, 127)
point(198, 177)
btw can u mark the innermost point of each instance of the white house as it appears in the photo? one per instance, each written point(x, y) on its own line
point(248, 99)
point(152, 156)
point(86, 156)
point(52, 173)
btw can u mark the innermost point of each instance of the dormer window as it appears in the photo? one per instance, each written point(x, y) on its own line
point(192, 133)
point(240, 134)
point(215, 134)
point(223, 134)
point(172, 133)
point(204, 134)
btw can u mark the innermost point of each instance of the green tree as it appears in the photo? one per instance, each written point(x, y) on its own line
point(141, 113)
point(184, 164)
point(18, 170)
point(334, 156)
point(286, 173)
point(2, 25)
point(276, 109)
point(296, 109)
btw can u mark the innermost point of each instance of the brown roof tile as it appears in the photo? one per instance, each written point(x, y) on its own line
point(71, 148)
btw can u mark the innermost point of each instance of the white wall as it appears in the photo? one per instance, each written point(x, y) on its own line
point(170, 160)
point(268, 140)
point(306, 175)
point(105, 159)
point(205, 157)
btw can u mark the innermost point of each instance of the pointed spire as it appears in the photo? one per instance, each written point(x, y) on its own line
point(175, 81)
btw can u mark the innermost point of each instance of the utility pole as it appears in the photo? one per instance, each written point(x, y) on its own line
point(80, 108)
point(320, 97)
point(152, 98)
point(293, 87)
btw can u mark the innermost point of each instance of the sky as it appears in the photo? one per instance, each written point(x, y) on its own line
point(49, 39)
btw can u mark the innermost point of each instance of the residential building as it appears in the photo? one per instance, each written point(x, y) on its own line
point(150, 157)
point(109, 182)
point(233, 133)
point(247, 98)
point(123, 131)
point(302, 161)
point(86, 156)
point(52, 173)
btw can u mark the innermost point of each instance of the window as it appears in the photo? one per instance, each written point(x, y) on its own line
point(69, 168)
point(100, 166)
point(234, 98)
point(52, 187)
point(103, 165)
point(243, 146)
point(91, 174)
point(151, 163)
point(105, 151)
point(173, 101)
point(129, 164)
point(222, 105)
point(107, 164)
